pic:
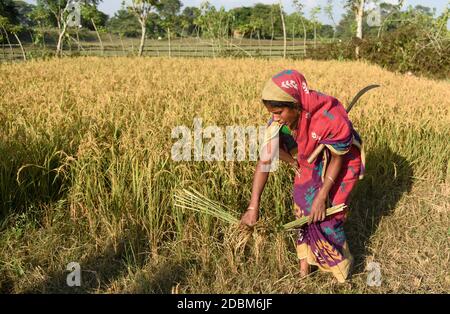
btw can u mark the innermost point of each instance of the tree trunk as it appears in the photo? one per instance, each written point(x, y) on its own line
point(273, 30)
point(78, 40)
point(9, 42)
point(293, 38)
point(385, 20)
point(59, 46)
point(196, 43)
point(43, 39)
point(31, 37)
point(284, 30)
point(110, 38)
point(315, 35)
point(170, 45)
point(359, 24)
point(21, 47)
point(144, 31)
point(259, 41)
point(98, 36)
point(121, 43)
point(271, 41)
point(304, 37)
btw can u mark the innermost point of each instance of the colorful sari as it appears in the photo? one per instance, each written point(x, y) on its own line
point(323, 120)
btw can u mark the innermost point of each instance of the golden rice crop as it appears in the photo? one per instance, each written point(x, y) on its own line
point(86, 175)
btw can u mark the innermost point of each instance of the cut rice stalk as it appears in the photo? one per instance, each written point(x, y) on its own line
point(300, 222)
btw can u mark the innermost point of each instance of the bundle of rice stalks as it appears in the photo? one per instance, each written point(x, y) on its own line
point(194, 200)
point(301, 221)
point(236, 236)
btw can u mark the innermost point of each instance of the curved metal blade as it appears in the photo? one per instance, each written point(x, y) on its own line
point(360, 93)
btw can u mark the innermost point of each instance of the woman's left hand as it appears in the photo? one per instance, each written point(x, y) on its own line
point(318, 209)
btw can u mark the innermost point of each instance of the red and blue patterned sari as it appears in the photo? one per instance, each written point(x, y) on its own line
point(323, 120)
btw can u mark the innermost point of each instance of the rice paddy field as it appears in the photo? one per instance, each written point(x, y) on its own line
point(86, 176)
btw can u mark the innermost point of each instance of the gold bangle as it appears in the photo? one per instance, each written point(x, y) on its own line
point(331, 179)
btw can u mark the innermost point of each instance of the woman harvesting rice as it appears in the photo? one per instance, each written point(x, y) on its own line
point(310, 119)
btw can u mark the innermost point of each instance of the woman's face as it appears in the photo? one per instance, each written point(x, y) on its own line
point(285, 115)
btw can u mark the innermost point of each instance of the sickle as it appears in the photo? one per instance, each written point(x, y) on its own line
point(319, 148)
point(360, 93)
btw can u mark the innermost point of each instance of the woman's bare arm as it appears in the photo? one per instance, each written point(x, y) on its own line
point(318, 208)
point(259, 182)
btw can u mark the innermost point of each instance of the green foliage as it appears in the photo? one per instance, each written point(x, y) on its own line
point(23, 10)
point(260, 19)
point(124, 23)
point(187, 19)
point(412, 48)
point(9, 10)
point(213, 23)
point(168, 11)
point(41, 17)
point(88, 12)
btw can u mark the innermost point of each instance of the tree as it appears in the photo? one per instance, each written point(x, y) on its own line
point(241, 19)
point(314, 12)
point(124, 23)
point(93, 19)
point(59, 10)
point(4, 25)
point(389, 12)
point(168, 11)
point(347, 26)
point(357, 6)
point(326, 31)
point(23, 10)
point(15, 30)
point(187, 19)
point(142, 10)
point(40, 18)
point(14, 19)
point(214, 24)
point(284, 29)
point(90, 15)
point(261, 14)
point(328, 9)
point(299, 7)
point(9, 11)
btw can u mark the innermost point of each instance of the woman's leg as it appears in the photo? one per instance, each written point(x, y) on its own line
point(304, 268)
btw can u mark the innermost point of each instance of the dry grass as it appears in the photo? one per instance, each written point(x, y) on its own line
point(91, 138)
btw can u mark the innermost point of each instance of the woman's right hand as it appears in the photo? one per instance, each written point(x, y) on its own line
point(250, 217)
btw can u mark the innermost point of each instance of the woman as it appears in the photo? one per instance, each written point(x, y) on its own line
point(311, 119)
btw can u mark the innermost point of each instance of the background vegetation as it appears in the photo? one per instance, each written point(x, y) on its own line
point(414, 39)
